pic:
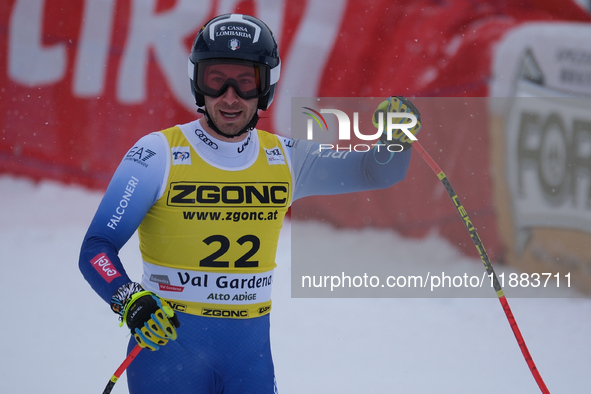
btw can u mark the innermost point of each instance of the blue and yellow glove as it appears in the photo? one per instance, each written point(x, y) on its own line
point(397, 104)
point(151, 320)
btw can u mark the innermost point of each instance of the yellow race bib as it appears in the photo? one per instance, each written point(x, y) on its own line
point(209, 243)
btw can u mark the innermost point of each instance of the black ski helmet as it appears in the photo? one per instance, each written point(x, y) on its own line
point(236, 37)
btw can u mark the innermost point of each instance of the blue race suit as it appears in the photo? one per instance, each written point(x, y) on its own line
point(209, 214)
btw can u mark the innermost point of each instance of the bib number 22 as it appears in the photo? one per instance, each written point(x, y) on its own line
point(224, 245)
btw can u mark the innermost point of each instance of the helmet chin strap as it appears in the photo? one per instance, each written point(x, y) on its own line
point(251, 125)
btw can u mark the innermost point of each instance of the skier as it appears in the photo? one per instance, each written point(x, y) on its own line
point(208, 199)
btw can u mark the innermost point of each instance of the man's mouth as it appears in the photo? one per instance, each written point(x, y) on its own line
point(230, 115)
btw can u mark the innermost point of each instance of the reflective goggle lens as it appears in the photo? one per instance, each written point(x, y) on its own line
point(249, 80)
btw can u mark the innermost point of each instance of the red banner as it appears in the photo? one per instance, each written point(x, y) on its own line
point(81, 81)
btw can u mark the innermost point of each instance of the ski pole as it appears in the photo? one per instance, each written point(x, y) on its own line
point(134, 352)
point(486, 261)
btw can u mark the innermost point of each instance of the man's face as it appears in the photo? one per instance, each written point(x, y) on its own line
point(229, 112)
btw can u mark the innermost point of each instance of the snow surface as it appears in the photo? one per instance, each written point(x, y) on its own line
point(59, 336)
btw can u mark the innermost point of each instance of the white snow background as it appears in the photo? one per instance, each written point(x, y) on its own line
point(58, 336)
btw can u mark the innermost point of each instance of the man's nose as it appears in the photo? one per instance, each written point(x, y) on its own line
point(230, 96)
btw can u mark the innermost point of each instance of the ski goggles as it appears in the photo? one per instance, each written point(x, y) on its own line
point(249, 80)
